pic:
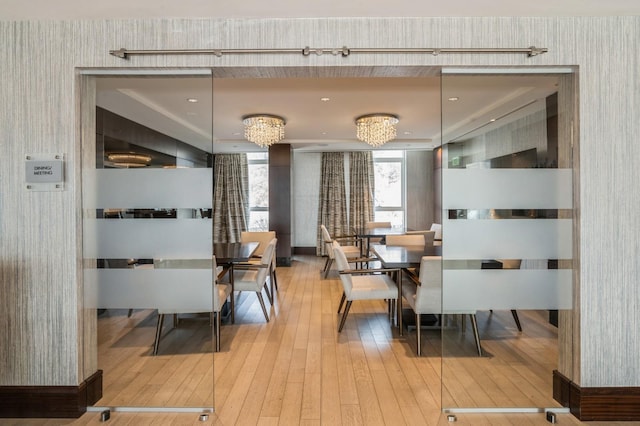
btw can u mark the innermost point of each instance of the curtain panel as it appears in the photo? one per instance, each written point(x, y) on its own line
point(230, 197)
point(332, 208)
point(361, 188)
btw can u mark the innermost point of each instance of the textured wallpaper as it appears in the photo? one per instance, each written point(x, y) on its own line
point(41, 323)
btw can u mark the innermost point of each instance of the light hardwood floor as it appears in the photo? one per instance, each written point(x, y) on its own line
point(298, 370)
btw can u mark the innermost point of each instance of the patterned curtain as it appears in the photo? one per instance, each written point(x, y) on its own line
point(361, 188)
point(230, 197)
point(332, 209)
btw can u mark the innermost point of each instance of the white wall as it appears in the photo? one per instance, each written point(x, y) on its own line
point(41, 327)
point(306, 192)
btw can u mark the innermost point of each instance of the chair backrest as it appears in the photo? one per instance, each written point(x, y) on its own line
point(405, 240)
point(327, 241)
point(429, 293)
point(370, 225)
point(429, 236)
point(266, 259)
point(216, 296)
point(510, 263)
point(438, 230)
point(343, 265)
point(274, 253)
point(261, 237)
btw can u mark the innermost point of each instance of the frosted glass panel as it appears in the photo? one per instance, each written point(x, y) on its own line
point(148, 238)
point(148, 188)
point(178, 290)
point(472, 290)
point(507, 189)
point(508, 239)
point(506, 209)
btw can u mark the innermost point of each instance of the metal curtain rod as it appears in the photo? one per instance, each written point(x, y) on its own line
point(343, 51)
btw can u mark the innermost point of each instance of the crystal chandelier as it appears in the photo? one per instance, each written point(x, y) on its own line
point(376, 129)
point(263, 129)
point(128, 159)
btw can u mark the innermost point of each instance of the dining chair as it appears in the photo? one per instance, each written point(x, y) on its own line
point(218, 294)
point(429, 236)
point(364, 284)
point(253, 277)
point(437, 228)
point(373, 225)
point(406, 240)
point(512, 264)
point(263, 238)
point(424, 295)
point(353, 252)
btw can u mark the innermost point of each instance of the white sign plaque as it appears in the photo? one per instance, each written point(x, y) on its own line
point(44, 172)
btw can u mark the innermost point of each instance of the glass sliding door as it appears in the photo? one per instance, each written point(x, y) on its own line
point(508, 238)
point(147, 242)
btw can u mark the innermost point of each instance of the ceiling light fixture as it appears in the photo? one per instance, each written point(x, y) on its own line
point(263, 129)
point(129, 159)
point(376, 129)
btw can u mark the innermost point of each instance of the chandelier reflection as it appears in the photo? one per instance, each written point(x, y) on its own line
point(263, 129)
point(128, 159)
point(376, 129)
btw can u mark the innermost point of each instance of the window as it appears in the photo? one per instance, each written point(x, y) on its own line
point(258, 191)
point(389, 183)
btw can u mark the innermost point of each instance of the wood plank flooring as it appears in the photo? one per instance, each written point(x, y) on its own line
point(297, 370)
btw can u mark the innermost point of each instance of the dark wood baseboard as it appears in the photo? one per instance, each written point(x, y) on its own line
point(304, 250)
point(597, 404)
point(50, 401)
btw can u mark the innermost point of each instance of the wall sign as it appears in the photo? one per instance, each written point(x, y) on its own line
point(44, 172)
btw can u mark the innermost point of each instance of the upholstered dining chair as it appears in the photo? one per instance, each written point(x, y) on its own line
point(406, 240)
point(217, 294)
point(372, 225)
point(429, 236)
point(364, 284)
point(437, 228)
point(353, 252)
point(424, 295)
point(252, 277)
point(512, 264)
point(263, 238)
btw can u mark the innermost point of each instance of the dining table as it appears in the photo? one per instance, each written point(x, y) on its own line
point(229, 254)
point(404, 258)
point(367, 234)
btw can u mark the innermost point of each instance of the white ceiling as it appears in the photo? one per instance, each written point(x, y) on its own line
point(83, 9)
point(162, 103)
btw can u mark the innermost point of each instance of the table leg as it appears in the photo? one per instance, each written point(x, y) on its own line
point(399, 304)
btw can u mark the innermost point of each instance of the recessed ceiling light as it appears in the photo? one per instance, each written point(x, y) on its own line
point(492, 120)
point(324, 133)
point(325, 99)
point(192, 100)
point(454, 98)
point(406, 133)
point(236, 133)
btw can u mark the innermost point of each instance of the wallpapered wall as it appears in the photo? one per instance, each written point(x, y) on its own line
point(41, 322)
